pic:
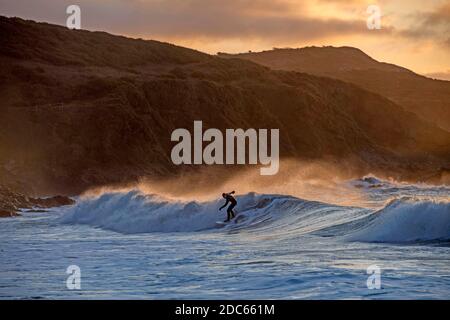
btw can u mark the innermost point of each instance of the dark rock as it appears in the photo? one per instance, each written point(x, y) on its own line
point(56, 201)
point(8, 214)
point(12, 201)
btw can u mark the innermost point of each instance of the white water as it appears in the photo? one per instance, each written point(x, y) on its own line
point(131, 245)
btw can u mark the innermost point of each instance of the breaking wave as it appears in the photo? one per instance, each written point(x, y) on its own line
point(407, 220)
point(401, 220)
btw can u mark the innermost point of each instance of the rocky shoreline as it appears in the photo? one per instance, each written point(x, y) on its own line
point(12, 202)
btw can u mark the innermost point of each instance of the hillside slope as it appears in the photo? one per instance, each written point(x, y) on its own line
point(82, 109)
point(428, 98)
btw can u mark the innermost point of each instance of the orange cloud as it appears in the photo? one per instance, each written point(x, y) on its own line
point(217, 25)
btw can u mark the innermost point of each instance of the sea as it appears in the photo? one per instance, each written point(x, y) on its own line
point(134, 245)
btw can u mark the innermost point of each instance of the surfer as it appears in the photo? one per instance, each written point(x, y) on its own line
point(229, 198)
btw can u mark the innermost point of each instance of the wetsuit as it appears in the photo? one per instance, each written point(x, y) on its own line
point(232, 200)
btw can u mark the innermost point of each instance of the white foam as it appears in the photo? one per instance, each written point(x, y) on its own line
point(407, 220)
point(402, 220)
point(134, 212)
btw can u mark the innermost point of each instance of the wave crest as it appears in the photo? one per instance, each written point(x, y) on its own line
point(134, 212)
point(402, 220)
point(407, 220)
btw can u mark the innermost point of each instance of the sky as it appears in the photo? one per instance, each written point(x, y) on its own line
point(414, 33)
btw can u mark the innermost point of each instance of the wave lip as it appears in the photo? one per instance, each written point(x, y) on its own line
point(134, 212)
point(407, 220)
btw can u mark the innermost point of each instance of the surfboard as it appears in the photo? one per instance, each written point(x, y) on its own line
point(223, 223)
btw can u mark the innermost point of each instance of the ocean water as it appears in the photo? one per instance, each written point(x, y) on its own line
point(130, 245)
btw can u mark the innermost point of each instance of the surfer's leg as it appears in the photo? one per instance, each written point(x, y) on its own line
point(229, 215)
point(230, 210)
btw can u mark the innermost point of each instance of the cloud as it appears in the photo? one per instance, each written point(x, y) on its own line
point(244, 19)
point(283, 20)
point(413, 34)
point(234, 25)
point(438, 17)
point(432, 25)
point(445, 75)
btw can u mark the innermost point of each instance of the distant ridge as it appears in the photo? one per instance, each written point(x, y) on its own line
point(428, 98)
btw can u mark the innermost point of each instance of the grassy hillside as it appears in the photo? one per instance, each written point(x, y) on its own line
point(81, 109)
point(428, 98)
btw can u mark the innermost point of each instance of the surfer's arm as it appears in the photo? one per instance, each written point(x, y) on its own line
point(224, 205)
